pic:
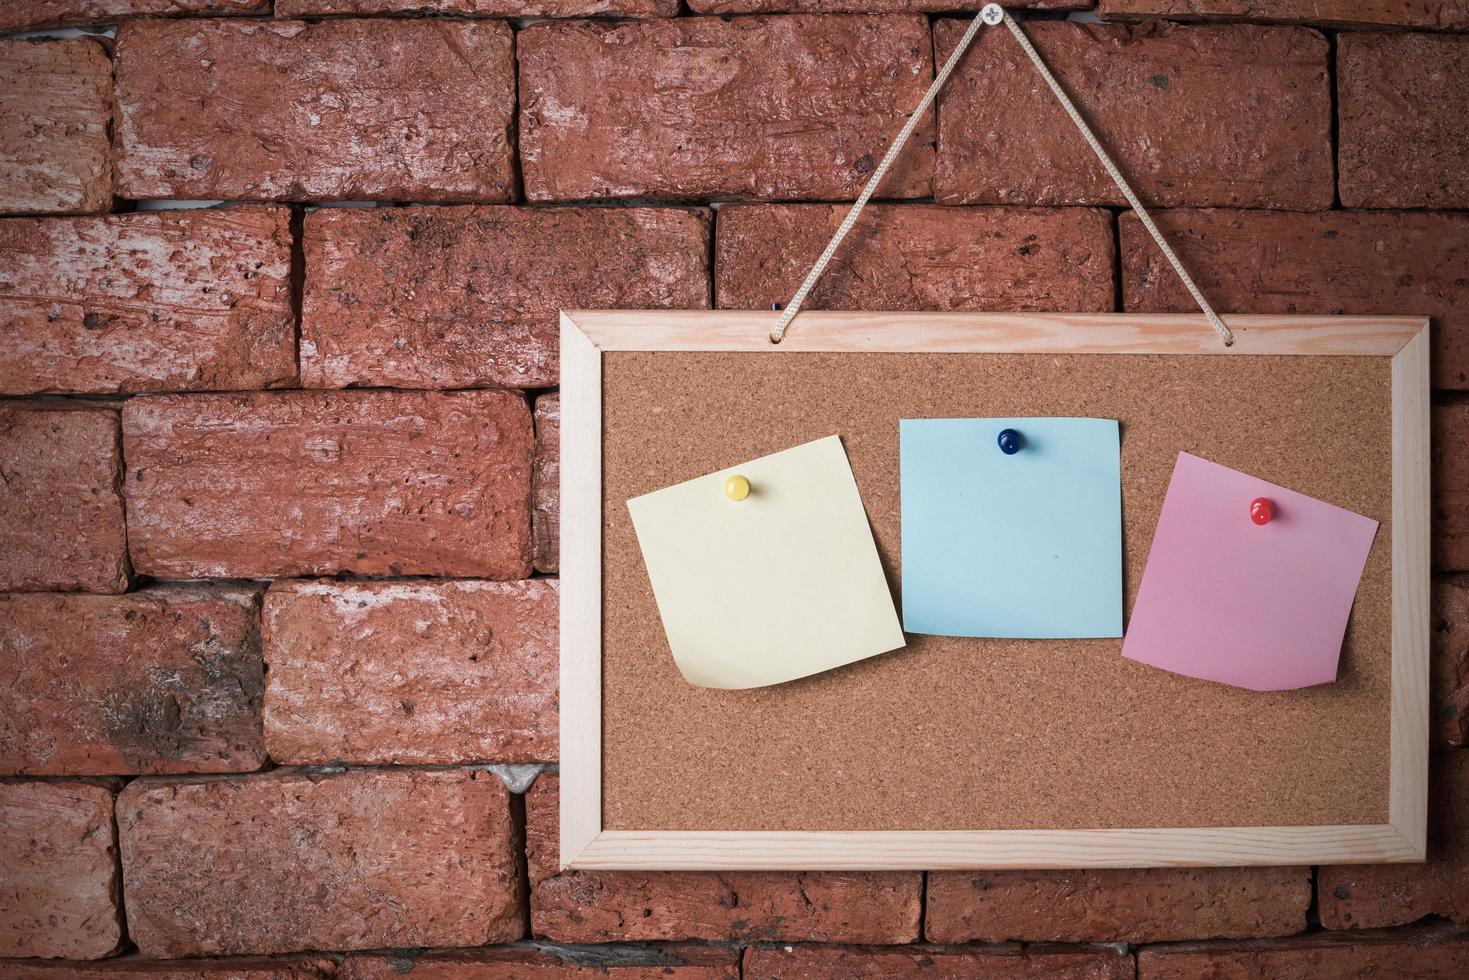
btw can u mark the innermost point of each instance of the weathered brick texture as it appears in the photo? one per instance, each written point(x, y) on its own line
point(133, 967)
point(982, 963)
point(917, 257)
point(811, 906)
point(34, 14)
point(1368, 896)
point(546, 485)
point(464, 297)
point(643, 962)
point(420, 467)
point(337, 110)
point(1331, 262)
point(61, 516)
point(55, 103)
point(755, 107)
point(314, 483)
point(1152, 905)
point(1260, 95)
point(1450, 450)
point(58, 886)
point(1449, 669)
point(1403, 119)
point(153, 301)
point(164, 680)
point(1429, 954)
point(480, 8)
point(287, 861)
point(1450, 14)
point(411, 672)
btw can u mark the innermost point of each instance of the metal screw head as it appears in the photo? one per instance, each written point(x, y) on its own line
point(991, 14)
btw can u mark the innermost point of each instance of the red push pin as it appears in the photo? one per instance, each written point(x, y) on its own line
point(1261, 510)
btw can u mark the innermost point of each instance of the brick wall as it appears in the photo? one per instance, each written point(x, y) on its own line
point(278, 509)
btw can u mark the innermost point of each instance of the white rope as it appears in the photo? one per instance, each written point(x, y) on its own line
point(1122, 185)
point(794, 306)
point(992, 14)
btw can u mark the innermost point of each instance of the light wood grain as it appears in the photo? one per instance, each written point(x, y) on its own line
point(585, 845)
point(998, 333)
point(581, 591)
point(965, 849)
point(1408, 768)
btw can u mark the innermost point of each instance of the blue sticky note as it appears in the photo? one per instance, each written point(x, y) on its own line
point(1023, 545)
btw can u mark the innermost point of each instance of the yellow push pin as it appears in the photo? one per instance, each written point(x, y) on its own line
point(737, 487)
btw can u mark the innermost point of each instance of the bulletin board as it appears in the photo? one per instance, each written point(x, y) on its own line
point(990, 753)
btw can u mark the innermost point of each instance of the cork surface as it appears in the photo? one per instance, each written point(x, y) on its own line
point(951, 734)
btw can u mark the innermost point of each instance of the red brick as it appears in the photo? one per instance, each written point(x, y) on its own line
point(55, 103)
point(1449, 668)
point(1328, 262)
point(411, 672)
point(546, 485)
point(160, 681)
point(1450, 14)
point(918, 257)
point(480, 8)
point(137, 968)
point(1450, 450)
point(150, 301)
point(465, 297)
point(61, 516)
point(697, 107)
point(397, 110)
point(1136, 906)
point(289, 861)
point(1368, 896)
point(58, 892)
point(1403, 120)
point(314, 483)
point(1238, 116)
point(979, 963)
point(679, 962)
point(33, 14)
point(1419, 954)
point(870, 6)
point(607, 906)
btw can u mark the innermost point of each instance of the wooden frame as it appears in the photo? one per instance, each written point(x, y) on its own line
point(585, 335)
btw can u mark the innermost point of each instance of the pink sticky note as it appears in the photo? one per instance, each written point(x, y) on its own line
point(1257, 606)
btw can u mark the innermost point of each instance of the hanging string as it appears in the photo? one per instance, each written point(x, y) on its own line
point(1122, 185)
point(993, 15)
point(794, 306)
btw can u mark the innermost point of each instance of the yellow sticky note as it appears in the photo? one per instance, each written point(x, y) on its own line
point(782, 583)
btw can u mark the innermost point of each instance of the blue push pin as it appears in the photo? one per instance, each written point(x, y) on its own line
point(1009, 442)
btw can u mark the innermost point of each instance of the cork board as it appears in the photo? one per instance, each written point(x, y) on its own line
point(957, 735)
